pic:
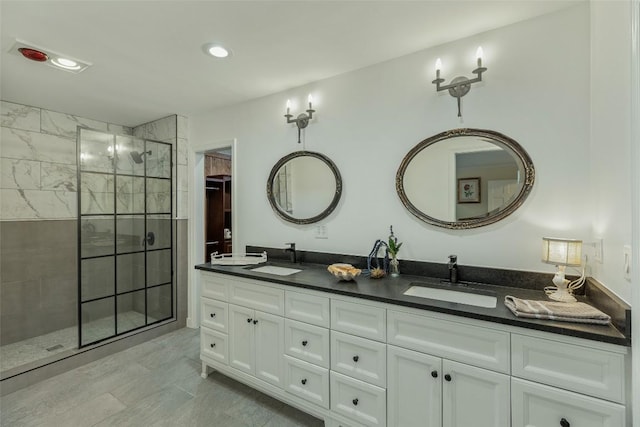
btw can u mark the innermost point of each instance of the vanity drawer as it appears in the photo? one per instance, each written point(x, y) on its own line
point(537, 405)
point(585, 370)
point(473, 345)
point(307, 342)
point(359, 358)
point(258, 296)
point(214, 314)
point(358, 319)
point(307, 308)
point(307, 381)
point(213, 345)
point(357, 400)
point(213, 286)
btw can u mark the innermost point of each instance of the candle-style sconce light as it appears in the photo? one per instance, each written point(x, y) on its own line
point(302, 121)
point(459, 86)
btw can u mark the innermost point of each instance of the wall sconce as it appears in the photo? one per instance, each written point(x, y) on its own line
point(562, 253)
point(303, 119)
point(459, 86)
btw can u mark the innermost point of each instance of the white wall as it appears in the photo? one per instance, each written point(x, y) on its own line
point(536, 90)
point(611, 138)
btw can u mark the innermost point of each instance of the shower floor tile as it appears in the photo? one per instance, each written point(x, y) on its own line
point(64, 340)
point(33, 349)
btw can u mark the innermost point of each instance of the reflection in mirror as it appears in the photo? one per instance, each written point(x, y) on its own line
point(304, 187)
point(465, 178)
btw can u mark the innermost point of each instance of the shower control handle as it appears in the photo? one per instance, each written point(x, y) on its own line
point(151, 238)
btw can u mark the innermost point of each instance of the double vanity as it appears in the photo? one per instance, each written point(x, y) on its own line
point(398, 352)
point(414, 350)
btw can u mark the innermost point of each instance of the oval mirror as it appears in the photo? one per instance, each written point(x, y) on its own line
point(465, 178)
point(304, 187)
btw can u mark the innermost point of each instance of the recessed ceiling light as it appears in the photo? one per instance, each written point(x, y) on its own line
point(67, 64)
point(49, 57)
point(217, 50)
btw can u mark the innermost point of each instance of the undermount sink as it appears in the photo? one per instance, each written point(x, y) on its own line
point(278, 271)
point(467, 296)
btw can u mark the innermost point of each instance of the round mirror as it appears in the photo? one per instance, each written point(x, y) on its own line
point(465, 178)
point(304, 187)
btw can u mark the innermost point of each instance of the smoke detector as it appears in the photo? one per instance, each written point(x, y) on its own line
point(49, 57)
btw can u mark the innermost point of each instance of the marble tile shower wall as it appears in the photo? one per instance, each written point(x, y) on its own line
point(38, 159)
point(38, 213)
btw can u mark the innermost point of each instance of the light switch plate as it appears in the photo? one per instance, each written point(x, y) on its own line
point(321, 232)
point(627, 262)
point(598, 250)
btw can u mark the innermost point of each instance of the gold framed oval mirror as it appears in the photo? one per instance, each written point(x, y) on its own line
point(465, 178)
point(304, 187)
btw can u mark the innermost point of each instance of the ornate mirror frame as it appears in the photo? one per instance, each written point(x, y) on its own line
point(334, 202)
point(491, 136)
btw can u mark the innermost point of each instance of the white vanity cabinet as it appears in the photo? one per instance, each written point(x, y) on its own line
point(427, 390)
point(361, 363)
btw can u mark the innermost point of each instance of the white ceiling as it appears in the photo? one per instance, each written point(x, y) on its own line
point(148, 60)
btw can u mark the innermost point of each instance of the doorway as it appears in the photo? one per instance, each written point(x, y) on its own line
point(217, 202)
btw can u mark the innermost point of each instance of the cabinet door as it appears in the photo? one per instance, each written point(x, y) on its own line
point(414, 382)
point(241, 338)
point(537, 405)
point(269, 347)
point(474, 396)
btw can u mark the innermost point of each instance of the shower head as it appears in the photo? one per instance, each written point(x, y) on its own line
point(137, 157)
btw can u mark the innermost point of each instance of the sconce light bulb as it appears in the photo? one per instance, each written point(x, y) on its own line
point(310, 99)
point(288, 103)
point(479, 54)
point(438, 64)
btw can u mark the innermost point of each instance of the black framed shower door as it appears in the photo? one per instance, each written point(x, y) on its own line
point(125, 234)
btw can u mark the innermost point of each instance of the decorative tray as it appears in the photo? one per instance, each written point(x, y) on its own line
point(238, 259)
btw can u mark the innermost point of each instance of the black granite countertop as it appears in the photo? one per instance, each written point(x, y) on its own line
point(390, 290)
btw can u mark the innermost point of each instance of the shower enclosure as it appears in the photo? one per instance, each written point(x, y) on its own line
point(125, 234)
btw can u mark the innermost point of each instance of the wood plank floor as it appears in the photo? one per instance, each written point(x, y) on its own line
point(157, 383)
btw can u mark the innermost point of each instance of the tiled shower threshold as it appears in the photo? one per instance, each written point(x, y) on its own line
point(33, 353)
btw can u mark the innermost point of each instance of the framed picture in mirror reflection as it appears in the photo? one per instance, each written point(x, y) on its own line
point(469, 190)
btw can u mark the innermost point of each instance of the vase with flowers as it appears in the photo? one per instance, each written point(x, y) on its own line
point(394, 248)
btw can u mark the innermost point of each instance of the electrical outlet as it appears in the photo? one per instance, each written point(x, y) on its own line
point(598, 251)
point(626, 266)
point(321, 232)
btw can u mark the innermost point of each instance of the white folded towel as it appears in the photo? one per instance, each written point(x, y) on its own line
point(578, 312)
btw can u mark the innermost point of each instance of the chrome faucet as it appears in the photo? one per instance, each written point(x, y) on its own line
point(453, 268)
point(292, 252)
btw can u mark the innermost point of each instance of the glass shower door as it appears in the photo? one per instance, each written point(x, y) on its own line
point(125, 234)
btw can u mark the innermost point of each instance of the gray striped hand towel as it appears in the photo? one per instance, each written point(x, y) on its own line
point(578, 312)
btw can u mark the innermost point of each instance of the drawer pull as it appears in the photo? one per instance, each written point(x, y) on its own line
point(255, 322)
point(434, 374)
point(356, 358)
point(447, 377)
point(304, 343)
point(249, 320)
point(355, 401)
point(564, 423)
point(304, 381)
point(213, 345)
point(213, 315)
